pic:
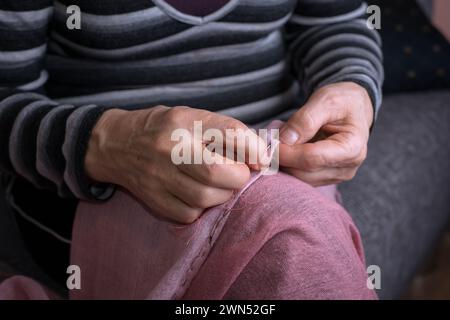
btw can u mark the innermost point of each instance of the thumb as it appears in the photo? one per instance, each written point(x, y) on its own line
point(306, 122)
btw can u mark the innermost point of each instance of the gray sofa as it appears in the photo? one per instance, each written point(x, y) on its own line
point(400, 199)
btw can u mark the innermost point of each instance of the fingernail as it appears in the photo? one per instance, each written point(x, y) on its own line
point(289, 136)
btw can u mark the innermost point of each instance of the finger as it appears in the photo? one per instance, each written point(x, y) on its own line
point(343, 149)
point(306, 123)
point(197, 194)
point(249, 148)
point(220, 174)
point(170, 207)
point(239, 141)
point(323, 177)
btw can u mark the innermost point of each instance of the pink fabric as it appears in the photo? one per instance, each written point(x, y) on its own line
point(23, 288)
point(296, 244)
point(125, 252)
point(282, 240)
point(278, 238)
point(272, 248)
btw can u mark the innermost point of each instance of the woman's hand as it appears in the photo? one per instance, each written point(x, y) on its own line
point(325, 142)
point(133, 149)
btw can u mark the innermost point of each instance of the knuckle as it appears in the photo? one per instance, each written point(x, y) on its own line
point(333, 98)
point(234, 124)
point(357, 154)
point(160, 143)
point(309, 164)
point(353, 148)
point(361, 157)
point(174, 116)
point(312, 161)
point(348, 175)
point(307, 121)
point(357, 91)
point(351, 175)
point(148, 172)
point(210, 172)
point(160, 108)
point(203, 198)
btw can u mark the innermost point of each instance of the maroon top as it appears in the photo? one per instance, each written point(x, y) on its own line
point(199, 8)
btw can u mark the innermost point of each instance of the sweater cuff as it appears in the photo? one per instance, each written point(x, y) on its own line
point(78, 132)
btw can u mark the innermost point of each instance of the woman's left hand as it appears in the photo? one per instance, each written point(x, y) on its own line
point(325, 142)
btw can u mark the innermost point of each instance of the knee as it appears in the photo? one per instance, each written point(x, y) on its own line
point(285, 200)
point(313, 248)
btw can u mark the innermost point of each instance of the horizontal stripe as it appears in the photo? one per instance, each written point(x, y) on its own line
point(213, 98)
point(11, 57)
point(214, 30)
point(314, 77)
point(90, 88)
point(25, 20)
point(307, 39)
point(36, 83)
point(28, 38)
point(24, 5)
point(201, 85)
point(314, 21)
point(343, 54)
point(259, 110)
point(17, 98)
point(208, 63)
point(340, 41)
point(113, 23)
point(340, 67)
point(121, 37)
point(109, 7)
point(326, 8)
point(14, 75)
point(118, 31)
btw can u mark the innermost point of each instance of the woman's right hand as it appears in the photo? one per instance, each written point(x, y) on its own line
point(133, 149)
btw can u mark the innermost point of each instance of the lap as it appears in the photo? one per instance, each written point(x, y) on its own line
point(284, 240)
point(308, 242)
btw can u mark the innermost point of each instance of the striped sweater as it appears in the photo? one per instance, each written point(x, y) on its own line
point(249, 59)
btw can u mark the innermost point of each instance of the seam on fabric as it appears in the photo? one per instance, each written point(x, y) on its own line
point(218, 225)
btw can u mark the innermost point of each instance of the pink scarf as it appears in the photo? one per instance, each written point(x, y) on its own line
point(278, 238)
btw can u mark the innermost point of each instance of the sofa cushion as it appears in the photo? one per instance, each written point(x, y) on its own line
point(417, 55)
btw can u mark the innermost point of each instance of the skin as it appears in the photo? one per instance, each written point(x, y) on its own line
point(324, 142)
point(133, 149)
